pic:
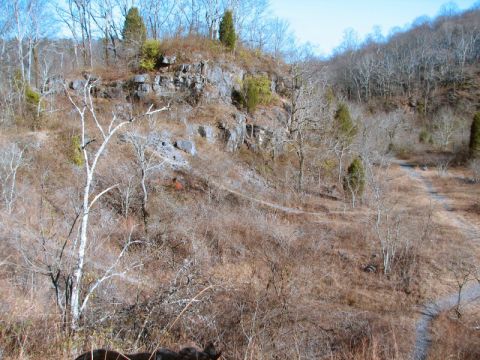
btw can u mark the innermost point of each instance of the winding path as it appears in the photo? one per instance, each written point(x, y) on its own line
point(432, 309)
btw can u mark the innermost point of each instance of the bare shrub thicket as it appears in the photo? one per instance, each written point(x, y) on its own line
point(445, 126)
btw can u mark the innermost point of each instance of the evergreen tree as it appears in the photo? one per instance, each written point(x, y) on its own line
point(344, 125)
point(475, 137)
point(354, 180)
point(227, 31)
point(134, 31)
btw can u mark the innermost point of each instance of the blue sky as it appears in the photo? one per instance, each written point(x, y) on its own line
point(322, 22)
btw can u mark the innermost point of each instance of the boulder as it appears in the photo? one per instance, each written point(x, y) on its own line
point(141, 78)
point(186, 145)
point(142, 91)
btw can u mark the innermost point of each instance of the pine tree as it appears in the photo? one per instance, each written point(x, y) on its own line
point(475, 137)
point(354, 180)
point(227, 31)
point(345, 127)
point(134, 31)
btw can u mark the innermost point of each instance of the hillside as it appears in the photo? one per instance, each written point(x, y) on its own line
point(181, 192)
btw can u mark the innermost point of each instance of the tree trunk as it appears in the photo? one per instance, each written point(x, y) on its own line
point(78, 272)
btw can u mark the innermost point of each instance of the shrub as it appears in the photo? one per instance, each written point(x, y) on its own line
point(227, 30)
point(30, 115)
point(76, 155)
point(475, 137)
point(354, 180)
point(150, 55)
point(425, 137)
point(256, 91)
point(32, 97)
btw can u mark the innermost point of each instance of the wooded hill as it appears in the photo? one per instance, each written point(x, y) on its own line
point(433, 64)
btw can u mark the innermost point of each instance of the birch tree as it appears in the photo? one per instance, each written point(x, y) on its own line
point(85, 110)
point(12, 158)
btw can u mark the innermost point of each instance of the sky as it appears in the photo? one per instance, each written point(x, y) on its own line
point(323, 22)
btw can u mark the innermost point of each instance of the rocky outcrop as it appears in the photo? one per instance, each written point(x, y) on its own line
point(168, 60)
point(186, 81)
point(77, 84)
point(142, 86)
point(161, 143)
point(223, 81)
point(257, 137)
point(112, 90)
point(234, 135)
point(207, 132)
point(191, 82)
point(54, 85)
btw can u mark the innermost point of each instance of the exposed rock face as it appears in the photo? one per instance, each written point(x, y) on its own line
point(168, 60)
point(224, 81)
point(191, 82)
point(207, 132)
point(234, 136)
point(163, 85)
point(186, 145)
point(77, 84)
point(54, 85)
point(258, 137)
point(162, 144)
point(187, 81)
point(142, 86)
point(113, 90)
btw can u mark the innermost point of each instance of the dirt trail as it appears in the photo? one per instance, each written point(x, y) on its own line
point(432, 309)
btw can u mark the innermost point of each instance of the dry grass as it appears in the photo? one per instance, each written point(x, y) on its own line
point(456, 338)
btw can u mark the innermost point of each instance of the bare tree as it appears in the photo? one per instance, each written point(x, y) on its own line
point(158, 15)
point(12, 158)
point(281, 39)
point(307, 105)
point(463, 270)
point(147, 161)
point(445, 125)
point(77, 16)
point(85, 110)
